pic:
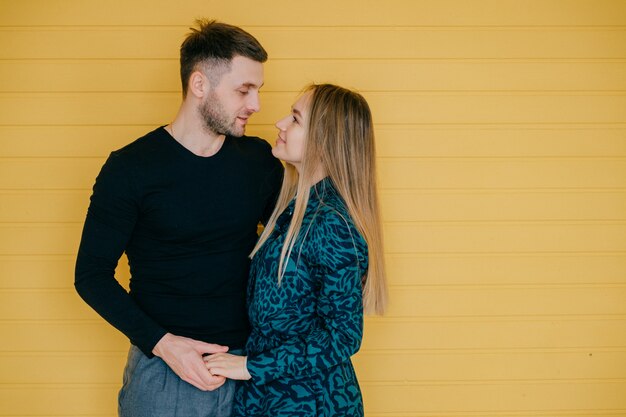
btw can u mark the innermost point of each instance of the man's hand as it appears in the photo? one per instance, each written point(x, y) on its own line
point(184, 357)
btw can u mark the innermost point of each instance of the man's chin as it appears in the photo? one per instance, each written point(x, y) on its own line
point(237, 133)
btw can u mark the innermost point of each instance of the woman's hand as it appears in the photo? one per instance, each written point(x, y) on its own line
point(227, 365)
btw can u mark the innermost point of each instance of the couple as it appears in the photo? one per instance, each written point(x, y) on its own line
point(184, 203)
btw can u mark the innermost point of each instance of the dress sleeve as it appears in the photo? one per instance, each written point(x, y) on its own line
point(109, 224)
point(339, 255)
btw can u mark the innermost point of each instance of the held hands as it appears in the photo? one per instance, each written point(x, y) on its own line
point(227, 365)
point(184, 357)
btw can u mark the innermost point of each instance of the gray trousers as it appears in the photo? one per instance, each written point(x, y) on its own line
point(152, 389)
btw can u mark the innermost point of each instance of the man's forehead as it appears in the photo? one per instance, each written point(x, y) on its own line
point(248, 75)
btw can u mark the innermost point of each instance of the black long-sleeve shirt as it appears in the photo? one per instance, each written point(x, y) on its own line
point(187, 224)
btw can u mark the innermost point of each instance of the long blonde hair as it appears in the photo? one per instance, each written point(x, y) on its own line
point(340, 139)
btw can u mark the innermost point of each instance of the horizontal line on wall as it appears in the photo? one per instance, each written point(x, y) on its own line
point(430, 287)
point(64, 354)
point(492, 318)
point(465, 382)
point(26, 224)
point(465, 351)
point(57, 321)
point(391, 126)
point(382, 191)
point(415, 190)
point(69, 288)
point(545, 254)
point(399, 383)
point(550, 158)
point(407, 191)
point(521, 60)
point(58, 386)
point(591, 350)
point(572, 222)
point(521, 254)
point(453, 158)
point(501, 190)
point(425, 287)
point(38, 257)
point(617, 221)
point(567, 222)
point(396, 319)
point(488, 254)
point(403, 93)
point(562, 285)
point(472, 60)
point(43, 191)
point(413, 254)
point(478, 286)
point(483, 126)
point(116, 415)
point(184, 26)
point(506, 254)
point(66, 290)
point(568, 158)
point(603, 412)
point(522, 317)
point(500, 125)
point(33, 190)
point(19, 224)
point(504, 413)
point(518, 92)
point(559, 60)
point(395, 158)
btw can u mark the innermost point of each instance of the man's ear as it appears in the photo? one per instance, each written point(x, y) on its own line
point(198, 84)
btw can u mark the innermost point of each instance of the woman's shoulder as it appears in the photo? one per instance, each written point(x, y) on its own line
point(333, 222)
point(332, 204)
point(335, 240)
point(333, 211)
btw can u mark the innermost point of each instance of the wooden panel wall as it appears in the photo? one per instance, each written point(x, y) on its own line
point(501, 129)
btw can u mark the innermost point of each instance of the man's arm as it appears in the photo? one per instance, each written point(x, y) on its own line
point(98, 254)
point(110, 221)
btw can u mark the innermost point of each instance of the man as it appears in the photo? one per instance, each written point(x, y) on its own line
point(184, 202)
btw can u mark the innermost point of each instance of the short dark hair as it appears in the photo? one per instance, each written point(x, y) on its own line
point(215, 44)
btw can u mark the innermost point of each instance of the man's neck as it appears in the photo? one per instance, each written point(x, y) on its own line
point(190, 132)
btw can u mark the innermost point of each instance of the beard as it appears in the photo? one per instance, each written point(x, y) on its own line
point(217, 120)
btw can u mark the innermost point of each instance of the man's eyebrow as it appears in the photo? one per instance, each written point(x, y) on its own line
point(252, 85)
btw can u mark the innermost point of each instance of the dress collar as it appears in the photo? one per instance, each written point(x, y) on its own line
point(318, 191)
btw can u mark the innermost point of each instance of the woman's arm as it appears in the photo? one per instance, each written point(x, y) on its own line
point(340, 255)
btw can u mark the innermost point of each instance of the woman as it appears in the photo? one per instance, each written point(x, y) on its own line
point(317, 266)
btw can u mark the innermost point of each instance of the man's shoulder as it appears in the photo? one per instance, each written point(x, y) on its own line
point(140, 145)
point(257, 152)
point(253, 143)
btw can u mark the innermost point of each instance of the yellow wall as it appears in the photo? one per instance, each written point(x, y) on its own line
point(501, 129)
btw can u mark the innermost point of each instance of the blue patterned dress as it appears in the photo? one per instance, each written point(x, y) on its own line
point(305, 329)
